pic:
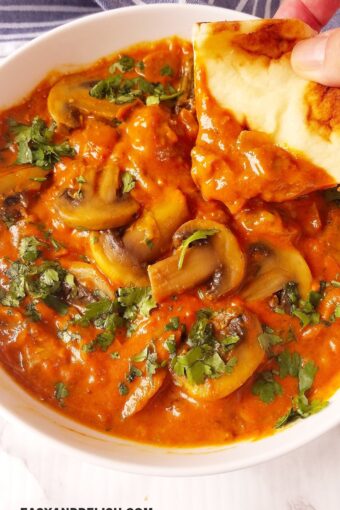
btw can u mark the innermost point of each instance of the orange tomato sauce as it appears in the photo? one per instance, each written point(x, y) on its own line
point(154, 143)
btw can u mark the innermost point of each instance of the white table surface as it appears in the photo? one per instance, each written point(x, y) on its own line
point(35, 474)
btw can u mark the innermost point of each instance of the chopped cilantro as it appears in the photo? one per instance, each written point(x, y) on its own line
point(120, 90)
point(230, 340)
point(199, 235)
point(102, 341)
point(66, 335)
point(142, 355)
point(151, 100)
point(94, 311)
point(229, 367)
point(136, 300)
point(29, 248)
point(149, 355)
point(173, 324)
point(291, 304)
point(115, 355)
point(266, 387)
point(44, 281)
point(170, 344)
point(123, 389)
point(60, 391)
point(56, 304)
point(167, 71)
point(149, 243)
point(133, 373)
point(32, 313)
point(268, 339)
point(35, 144)
point(128, 181)
point(300, 409)
point(202, 331)
point(124, 64)
point(289, 363)
point(307, 374)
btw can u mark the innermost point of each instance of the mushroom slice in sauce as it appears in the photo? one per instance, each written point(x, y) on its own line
point(151, 234)
point(146, 388)
point(218, 258)
point(70, 97)
point(112, 258)
point(97, 209)
point(248, 355)
point(271, 267)
point(23, 178)
point(187, 98)
point(89, 277)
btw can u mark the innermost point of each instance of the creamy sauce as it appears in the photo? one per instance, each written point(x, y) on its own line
point(249, 175)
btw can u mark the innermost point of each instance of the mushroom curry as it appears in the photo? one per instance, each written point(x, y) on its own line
point(136, 305)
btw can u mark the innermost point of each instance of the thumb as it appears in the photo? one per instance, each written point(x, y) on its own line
point(317, 59)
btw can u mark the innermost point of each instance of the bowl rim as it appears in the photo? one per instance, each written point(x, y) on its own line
point(196, 469)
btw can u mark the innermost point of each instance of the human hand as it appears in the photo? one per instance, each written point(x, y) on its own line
point(316, 59)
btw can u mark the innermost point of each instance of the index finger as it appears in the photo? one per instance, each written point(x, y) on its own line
point(314, 12)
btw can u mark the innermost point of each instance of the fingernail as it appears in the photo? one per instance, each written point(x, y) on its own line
point(310, 54)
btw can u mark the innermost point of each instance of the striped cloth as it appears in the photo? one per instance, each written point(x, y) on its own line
point(22, 20)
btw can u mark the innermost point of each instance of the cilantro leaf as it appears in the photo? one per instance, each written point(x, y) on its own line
point(307, 374)
point(123, 389)
point(29, 248)
point(124, 64)
point(301, 408)
point(167, 70)
point(291, 304)
point(136, 300)
point(268, 339)
point(266, 387)
point(94, 311)
point(170, 344)
point(35, 144)
point(199, 235)
point(66, 335)
point(102, 341)
point(289, 364)
point(32, 313)
point(149, 355)
point(120, 90)
point(56, 304)
point(60, 391)
point(173, 324)
point(128, 181)
point(133, 373)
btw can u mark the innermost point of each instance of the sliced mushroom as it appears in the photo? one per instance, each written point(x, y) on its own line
point(271, 267)
point(218, 258)
point(70, 97)
point(187, 98)
point(89, 277)
point(145, 389)
point(21, 179)
point(151, 234)
point(249, 355)
point(112, 258)
point(97, 209)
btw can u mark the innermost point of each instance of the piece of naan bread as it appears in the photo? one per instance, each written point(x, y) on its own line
point(245, 68)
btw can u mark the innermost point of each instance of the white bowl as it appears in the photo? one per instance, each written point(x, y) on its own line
point(78, 43)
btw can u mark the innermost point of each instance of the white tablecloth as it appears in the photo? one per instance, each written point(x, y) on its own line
point(36, 474)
